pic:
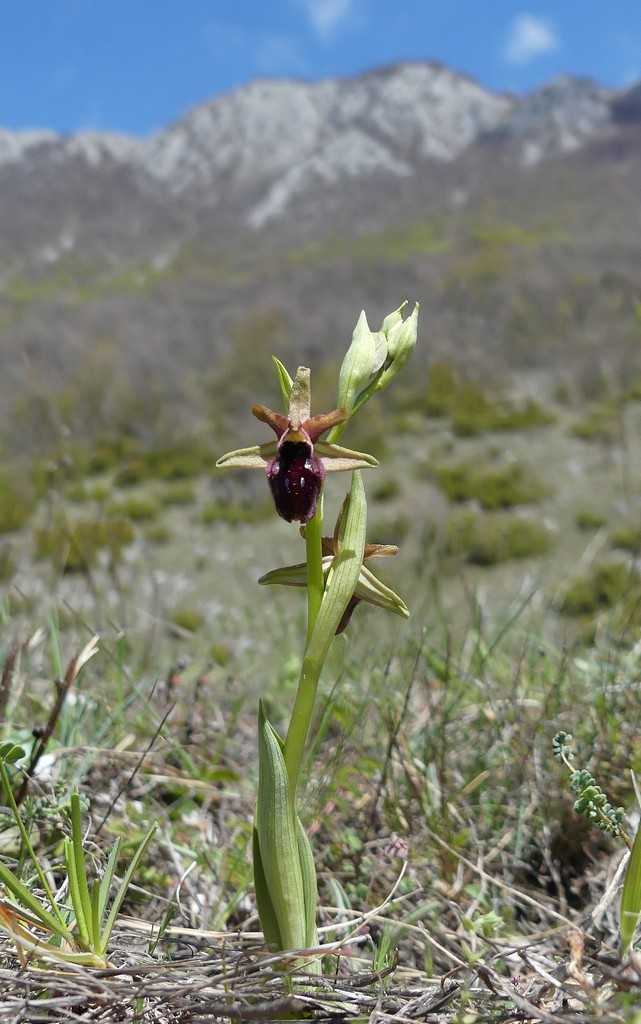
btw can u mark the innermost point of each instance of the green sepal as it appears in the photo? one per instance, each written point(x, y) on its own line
point(284, 380)
point(368, 587)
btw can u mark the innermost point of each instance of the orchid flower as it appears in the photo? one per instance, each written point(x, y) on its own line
point(297, 461)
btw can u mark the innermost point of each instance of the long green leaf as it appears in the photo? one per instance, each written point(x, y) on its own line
point(277, 838)
point(308, 871)
point(124, 885)
point(631, 896)
point(95, 909)
point(108, 876)
point(266, 912)
point(62, 927)
point(82, 912)
point(30, 902)
point(81, 900)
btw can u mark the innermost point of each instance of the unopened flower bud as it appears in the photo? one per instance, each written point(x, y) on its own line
point(363, 359)
point(401, 337)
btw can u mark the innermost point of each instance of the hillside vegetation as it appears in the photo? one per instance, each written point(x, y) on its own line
point(460, 877)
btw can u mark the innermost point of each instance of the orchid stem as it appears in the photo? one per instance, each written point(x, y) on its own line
point(310, 671)
point(300, 721)
point(315, 580)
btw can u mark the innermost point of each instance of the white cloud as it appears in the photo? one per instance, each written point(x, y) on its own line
point(529, 37)
point(327, 15)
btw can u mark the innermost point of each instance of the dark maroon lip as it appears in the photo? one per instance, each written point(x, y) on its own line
point(295, 477)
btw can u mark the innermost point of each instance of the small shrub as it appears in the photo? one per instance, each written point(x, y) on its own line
point(626, 537)
point(221, 654)
point(139, 509)
point(525, 417)
point(499, 488)
point(65, 464)
point(15, 506)
point(472, 413)
point(7, 564)
point(442, 390)
point(182, 461)
point(179, 494)
point(189, 619)
point(110, 450)
point(158, 533)
point(398, 527)
point(589, 519)
point(116, 533)
point(603, 423)
point(459, 533)
point(226, 512)
point(605, 586)
point(131, 473)
point(98, 492)
point(507, 538)
point(102, 460)
point(490, 539)
point(74, 546)
point(387, 490)
point(562, 393)
point(77, 492)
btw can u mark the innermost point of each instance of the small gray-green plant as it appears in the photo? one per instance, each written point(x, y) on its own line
point(592, 802)
point(336, 581)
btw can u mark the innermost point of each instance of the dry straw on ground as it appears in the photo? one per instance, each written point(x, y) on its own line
point(563, 971)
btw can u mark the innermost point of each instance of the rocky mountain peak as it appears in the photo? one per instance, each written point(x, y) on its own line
point(256, 152)
point(558, 117)
point(284, 135)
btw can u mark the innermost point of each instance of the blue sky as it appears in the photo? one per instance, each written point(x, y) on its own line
point(136, 65)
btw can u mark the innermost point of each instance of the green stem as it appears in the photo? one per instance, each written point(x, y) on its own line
point(310, 671)
point(314, 555)
point(300, 721)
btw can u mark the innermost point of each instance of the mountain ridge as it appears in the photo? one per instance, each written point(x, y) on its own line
point(266, 142)
point(284, 207)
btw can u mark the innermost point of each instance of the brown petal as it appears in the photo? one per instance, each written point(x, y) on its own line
point(276, 420)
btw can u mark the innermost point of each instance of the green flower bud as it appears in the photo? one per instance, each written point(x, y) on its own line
point(363, 359)
point(401, 336)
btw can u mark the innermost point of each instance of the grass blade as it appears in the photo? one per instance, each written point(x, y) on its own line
point(124, 885)
point(631, 896)
point(82, 936)
point(108, 876)
point(81, 899)
point(31, 903)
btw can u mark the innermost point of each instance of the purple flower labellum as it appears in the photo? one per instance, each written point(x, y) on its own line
point(295, 476)
point(297, 462)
